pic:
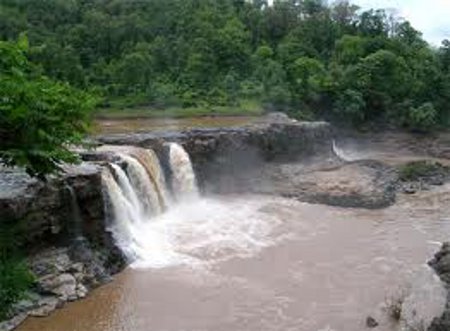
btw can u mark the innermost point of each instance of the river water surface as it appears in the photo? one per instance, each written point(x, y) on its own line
point(265, 263)
point(262, 263)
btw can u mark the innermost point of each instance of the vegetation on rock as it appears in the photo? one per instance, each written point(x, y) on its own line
point(15, 277)
point(417, 170)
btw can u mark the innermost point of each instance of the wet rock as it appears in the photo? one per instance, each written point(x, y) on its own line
point(46, 306)
point(65, 286)
point(13, 323)
point(441, 264)
point(82, 291)
point(371, 322)
point(46, 205)
point(62, 276)
point(363, 184)
point(441, 323)
point(421, 175)
point(76, 268)
point(410, 188)
point(24, 305)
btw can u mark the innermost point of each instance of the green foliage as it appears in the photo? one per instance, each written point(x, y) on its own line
point(416, 170)
point(15, 277)
point(39, 118)
point(15, 280)
point(202, 53)
point(422, 118)
point(350, 104)
point(309, 76)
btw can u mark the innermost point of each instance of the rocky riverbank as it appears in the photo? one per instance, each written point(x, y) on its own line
point(441, 264)
point(63, 234)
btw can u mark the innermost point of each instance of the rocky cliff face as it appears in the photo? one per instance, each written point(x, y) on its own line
point(224, 152)
point(46, 209)
point(63, 234)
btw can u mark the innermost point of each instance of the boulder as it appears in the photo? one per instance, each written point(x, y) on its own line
point(441, 264)
point(46, 306)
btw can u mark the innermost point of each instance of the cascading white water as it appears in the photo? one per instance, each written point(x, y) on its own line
point(134, 200)
point(124, 213)
point(150, 161)
point(156, 229)
point(340, 153)
point(183, 178)
point(137, 194)
point(143, 186)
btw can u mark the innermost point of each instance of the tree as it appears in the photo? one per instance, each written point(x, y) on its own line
point(162, 53)
point(39, 118)
point(350, 105)
point(421, 118)
point(309, 77)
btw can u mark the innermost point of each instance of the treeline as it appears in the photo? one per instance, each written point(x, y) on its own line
point(304, 57)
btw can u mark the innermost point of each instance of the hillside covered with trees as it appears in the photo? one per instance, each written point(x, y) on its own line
point(305, 57)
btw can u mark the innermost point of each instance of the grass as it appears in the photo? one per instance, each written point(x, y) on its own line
point(245, 108)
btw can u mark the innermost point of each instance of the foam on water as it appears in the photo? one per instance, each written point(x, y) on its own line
point(192, 229)
point(204, 231)
point(158, 228)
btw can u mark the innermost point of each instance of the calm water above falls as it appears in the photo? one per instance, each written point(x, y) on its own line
point(107, 126)
point(265, 263)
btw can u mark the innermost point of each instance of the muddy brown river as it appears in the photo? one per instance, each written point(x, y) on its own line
point(303, 267)
point(267, 263)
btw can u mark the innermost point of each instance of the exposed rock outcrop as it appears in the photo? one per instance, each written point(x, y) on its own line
point(63, 234)
point(421, 175)
point(45, 208)
point(222, 152)
point(441, 264)
point(60, 278)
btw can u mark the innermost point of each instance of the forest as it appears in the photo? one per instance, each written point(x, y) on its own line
point(309, 58)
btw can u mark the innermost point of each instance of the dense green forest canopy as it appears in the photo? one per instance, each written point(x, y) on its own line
point(39, 118)
point(306, 57)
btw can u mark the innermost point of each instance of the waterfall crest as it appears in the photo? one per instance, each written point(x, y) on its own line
point(137, 192)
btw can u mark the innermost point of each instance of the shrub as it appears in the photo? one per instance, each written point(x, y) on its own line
point(350, 105)
point(15, 280)
point(415, 170)
point(422, 118)
point(15, 277)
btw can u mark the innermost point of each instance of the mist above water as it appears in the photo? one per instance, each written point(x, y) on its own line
point(182, 227)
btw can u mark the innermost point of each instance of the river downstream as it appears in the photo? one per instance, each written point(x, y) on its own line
point(263, 263)
point(249, 262)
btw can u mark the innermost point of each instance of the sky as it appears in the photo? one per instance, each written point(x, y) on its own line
point(431, 17)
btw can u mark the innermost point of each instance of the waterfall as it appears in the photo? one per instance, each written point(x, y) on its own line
point(340, 153)
point(143, 186)
point(150, 161)
point(136, 191)
point(183, 177)
point(76, 232)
